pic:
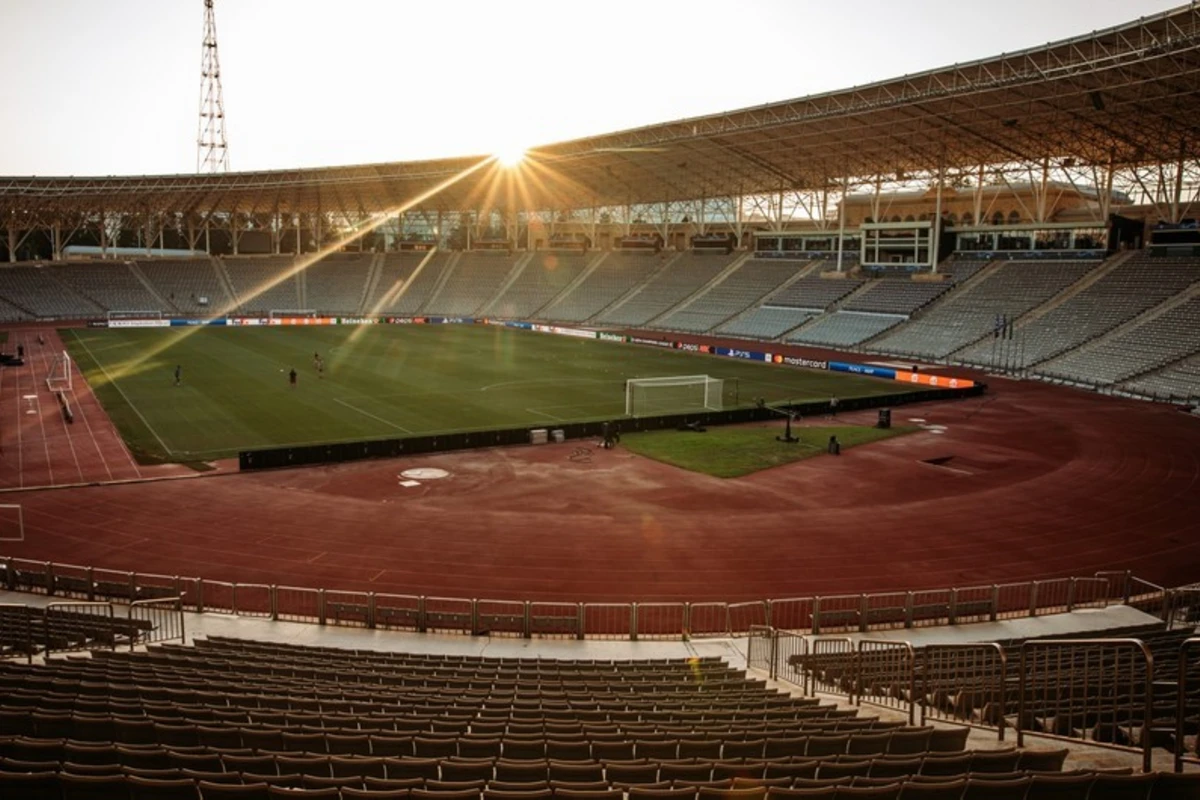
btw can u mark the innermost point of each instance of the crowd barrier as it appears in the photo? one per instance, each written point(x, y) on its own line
point(1102, 691)
point(72, 625)
point(817, 615)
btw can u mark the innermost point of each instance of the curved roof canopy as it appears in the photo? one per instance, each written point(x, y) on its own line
point(1122, 96)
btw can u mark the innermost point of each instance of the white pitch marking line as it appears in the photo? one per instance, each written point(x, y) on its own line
point(544, 414)
point(42, 427)
point(536, 381)
point(81, 380)
point(113, 381)
point(387, 422)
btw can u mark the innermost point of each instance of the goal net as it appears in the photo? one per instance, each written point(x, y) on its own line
point(59, 377)
point(648, 396)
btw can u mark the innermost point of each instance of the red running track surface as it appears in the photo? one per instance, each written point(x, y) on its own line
point(38, 447)
point(1041, 482)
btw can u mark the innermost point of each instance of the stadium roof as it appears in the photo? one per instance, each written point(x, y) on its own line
point(1123, 96)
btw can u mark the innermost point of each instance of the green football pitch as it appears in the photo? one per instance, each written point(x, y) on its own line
point(387, 381)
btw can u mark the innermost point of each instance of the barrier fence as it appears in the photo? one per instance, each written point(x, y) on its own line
point(82, 625)
point(963, 683)
point(828, 666)
point(158, 619)
point(1187, 705)
point(829, 614)
point(760, 649)
point(16, 631)
point(1097, 690)
point(885, 675)
point(788, 652)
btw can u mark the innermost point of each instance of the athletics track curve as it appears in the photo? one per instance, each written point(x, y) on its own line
point(1041, 482)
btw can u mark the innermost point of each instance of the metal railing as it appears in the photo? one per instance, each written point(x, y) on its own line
point(885, 675)
point(1187, 709)
point(1095, 690)
point(829, 666)
point(788, 652)
point(627, 620)
point(760, 649)
point(963, 683)
point(158, 619)
point(16, 630)
point(80, 625)
point(1181, 607)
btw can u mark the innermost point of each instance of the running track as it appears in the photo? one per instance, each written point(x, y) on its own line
point(1042, 482)
point(38, 447)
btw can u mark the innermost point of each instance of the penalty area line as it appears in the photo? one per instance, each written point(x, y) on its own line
point(387, 422)
point(545, 414)
point(121, 391)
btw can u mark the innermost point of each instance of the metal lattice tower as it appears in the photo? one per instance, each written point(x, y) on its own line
point(212, 153)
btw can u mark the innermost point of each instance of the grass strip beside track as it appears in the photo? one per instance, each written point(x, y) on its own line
point(734, 451)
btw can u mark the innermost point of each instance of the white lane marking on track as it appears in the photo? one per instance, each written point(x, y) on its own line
point(63, 421)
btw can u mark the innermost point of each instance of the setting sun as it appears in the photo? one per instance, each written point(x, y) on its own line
point(510, 156)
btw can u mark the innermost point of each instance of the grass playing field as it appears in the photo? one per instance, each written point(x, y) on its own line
point(384, 381)
point(736, 450)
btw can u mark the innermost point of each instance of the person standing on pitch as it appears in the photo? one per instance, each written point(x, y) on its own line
point(292, 378)
point(178, 374)
point(833, 404)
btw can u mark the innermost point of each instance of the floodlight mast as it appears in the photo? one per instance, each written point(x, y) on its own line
point(212, 153)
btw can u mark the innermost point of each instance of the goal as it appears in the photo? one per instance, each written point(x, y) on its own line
point(59, 377)
point(648, 396)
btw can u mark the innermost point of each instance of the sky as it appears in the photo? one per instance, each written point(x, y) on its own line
point(112, 87)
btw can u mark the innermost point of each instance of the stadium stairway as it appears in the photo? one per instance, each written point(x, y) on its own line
point(762, 301)
point(699, 294)
point(831, 309)
point(373, 274)
point(393, 298)
point(76, 295)
point(636, 290)
point(1145, 317)
point(541, 313)
point(975, 276)
point(235, 301)
point(512, 277)
point(1186, 369)
point(302, 287)
point(1034, 314)
point(137, 273)
point(443, 279)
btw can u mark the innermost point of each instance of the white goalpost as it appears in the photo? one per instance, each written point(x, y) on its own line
point(59, 377)
point(648, 396)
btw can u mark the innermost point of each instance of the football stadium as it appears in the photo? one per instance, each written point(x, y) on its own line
point(839, 446)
